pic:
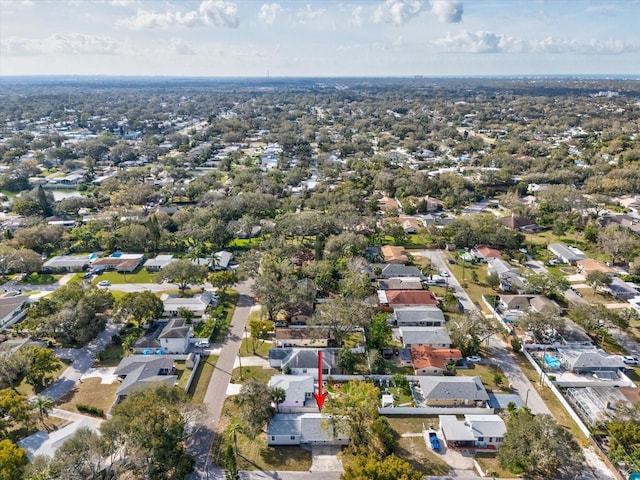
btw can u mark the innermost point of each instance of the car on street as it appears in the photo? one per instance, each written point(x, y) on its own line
point(474, 359)
point(104, 283)
point(444, 273)
point(629, 360)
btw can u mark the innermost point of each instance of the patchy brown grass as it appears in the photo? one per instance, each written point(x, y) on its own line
point(90, 392)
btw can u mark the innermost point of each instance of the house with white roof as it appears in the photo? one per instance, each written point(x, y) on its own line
point(304, 429)
point(420, 316)
point(436, 337)
point(480, 432)
point(298, 388)
point(159, 262)
point(566, 254)
point(197, 304)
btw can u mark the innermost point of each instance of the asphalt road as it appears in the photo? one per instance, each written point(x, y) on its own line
point(200, 444)
point(504, 358)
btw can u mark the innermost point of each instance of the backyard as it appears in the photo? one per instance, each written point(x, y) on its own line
point(254, 454)
point(92, 392)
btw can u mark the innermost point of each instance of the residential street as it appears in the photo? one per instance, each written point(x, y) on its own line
point(200, 444)
point(503, 357)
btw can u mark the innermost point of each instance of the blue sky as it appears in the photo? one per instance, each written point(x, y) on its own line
point(319, 37)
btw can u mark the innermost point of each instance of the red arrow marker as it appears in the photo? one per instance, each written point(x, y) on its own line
point(320, 396)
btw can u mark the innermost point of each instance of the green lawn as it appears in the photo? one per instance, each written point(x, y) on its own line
point(254, 454)
point(201, 380)
point(253, 373)
point(487, 375)
point(246, 349)
point(110, 356)
point(141, 276)
point(40, 279)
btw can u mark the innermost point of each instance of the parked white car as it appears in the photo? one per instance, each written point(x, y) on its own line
point(104, 283)
point(630, 360)
point(474, 359)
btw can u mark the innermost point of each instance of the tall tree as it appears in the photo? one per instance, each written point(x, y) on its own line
point(140, 307)
point(183, 272)
point(259, 331)
point(616, 242)
point(342, 315)
point(353, 412)
point(374, 467)
point(152, 425)
point(542, 324)
point(537, 445)
point(598, 280)
point(13, 460)
point(255, 400)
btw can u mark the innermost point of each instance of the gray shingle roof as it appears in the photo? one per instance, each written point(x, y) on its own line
point(176, 328)
point(469, 388)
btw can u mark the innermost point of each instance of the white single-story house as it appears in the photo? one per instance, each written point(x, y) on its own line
point(303, 429)
point(121, 262)
point(175, 336)
point(197, 304)
point(481, 432)
point(159, 262)
point(436, 337)
point(66, 263)
point(566, 254)
point(298, 388)
point(420, 316)
point(501, 268)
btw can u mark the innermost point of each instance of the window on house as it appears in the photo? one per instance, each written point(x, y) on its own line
point(292, 437)
point(481, 439)
point(273, 439)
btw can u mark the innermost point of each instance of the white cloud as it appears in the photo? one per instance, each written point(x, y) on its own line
point(180, 46)
point(397, 12)
point(356, 16)
point(269, 12)
point(220, 13)
point(447, 11)
point(308, 13)
point(71, 44)
point(490, 42)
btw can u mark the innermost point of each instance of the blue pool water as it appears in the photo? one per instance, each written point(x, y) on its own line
point(551, 361)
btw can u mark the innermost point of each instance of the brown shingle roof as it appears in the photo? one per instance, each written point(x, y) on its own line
point(410, 297)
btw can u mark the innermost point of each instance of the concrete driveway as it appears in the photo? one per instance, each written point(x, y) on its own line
point(324, 458)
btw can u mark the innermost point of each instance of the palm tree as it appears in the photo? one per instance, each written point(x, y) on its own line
point(43, 405)
point(234, 429)
point(278, 395)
